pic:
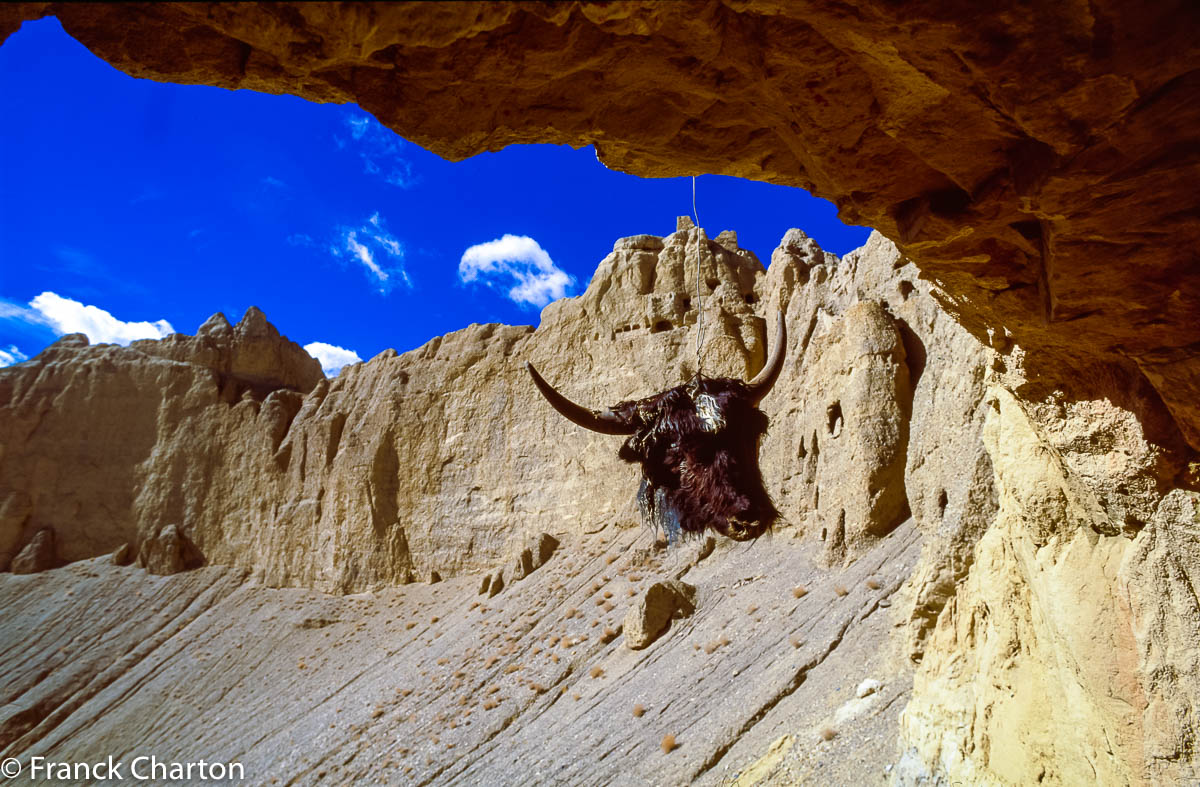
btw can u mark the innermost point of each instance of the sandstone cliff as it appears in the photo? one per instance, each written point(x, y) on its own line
point(986, 554)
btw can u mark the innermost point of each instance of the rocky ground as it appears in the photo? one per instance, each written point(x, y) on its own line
point(442, 684)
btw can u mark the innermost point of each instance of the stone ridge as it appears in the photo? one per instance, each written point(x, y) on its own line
point(83, 426)
point(1036, 162)
point(252, 352)
point(938, 517)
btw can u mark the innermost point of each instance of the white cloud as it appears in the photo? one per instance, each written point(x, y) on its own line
point(363, 254)
point(520, 260)
point(12, 311)
point(11, 355)
point(380, 150)
point(64, 315)
point(332, 357)
point(376, 249)
point(358, 125)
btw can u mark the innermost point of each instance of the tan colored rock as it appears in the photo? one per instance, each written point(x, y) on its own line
point(124, 555)
point(1048, 565)
point(1035, 165)
point(162, 427)
point(533, 554)
point(494, 583)
point(1046, 508)
point(251, 356)
point(38, 554)
point(858, 431)
point(169, 552)
point(649, 616)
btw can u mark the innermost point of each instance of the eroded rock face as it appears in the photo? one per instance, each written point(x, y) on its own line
point(855, 449)
point(1050, 632)
point(1044, 512)
point(398, 467)
point(163, 428)
point(1036, 162)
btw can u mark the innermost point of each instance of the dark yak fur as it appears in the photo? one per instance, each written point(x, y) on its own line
point(697, 445)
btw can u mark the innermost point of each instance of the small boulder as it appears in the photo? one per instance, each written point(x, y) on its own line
point(542, 546)
point(533, 554)
point(651, 614)
point(868, 687)
point(522, 565)
point(169, 552)
point(124, 555)
point(496, 584)
point(434, 576)
point(38, 554)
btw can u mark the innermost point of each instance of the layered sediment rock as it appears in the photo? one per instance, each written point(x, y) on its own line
point(108, 444)
point(1039, 521)
point(379, 475)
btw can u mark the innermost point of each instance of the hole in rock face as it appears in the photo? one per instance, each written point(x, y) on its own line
point(1030, 230)
point(835, 419)
point(941, 503)
point(749, 297)
point(687, 304)
point(661, 325)
point(949, 201)
point(906, 289)
point(1133, 525)
point(712, 284)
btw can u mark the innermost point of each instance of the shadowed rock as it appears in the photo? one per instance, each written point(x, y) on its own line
point(38, 554)
point(653, 612)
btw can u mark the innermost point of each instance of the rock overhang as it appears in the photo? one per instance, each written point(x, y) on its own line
point(1036, 163)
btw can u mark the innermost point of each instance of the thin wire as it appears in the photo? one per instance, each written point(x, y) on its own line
point(699, 296)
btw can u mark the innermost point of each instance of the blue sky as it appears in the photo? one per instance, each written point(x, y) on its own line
point(129, 208)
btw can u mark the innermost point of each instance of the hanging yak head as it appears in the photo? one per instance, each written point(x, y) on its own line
point(697, 445)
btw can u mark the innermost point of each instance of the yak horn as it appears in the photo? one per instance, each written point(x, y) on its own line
point(605, 422)
point(762, 382)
